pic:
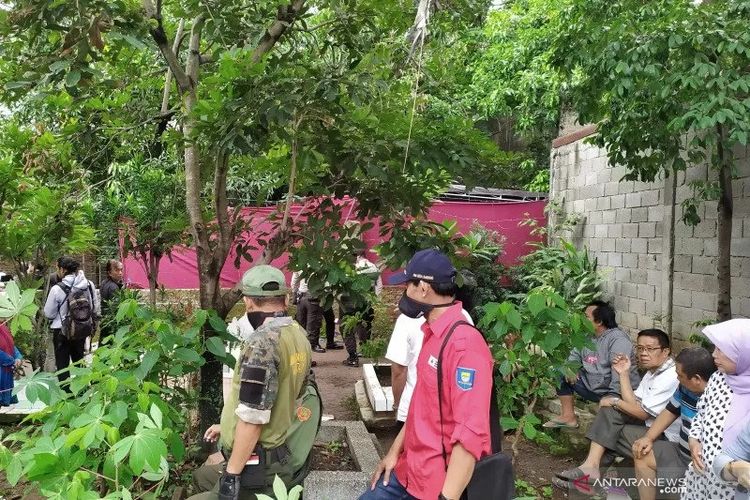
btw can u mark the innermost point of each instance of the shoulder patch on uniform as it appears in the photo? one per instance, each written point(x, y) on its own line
point(303, 413)
point(253, 381)
point(465, 378)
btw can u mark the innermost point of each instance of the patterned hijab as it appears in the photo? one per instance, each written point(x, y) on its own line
point(733, 339)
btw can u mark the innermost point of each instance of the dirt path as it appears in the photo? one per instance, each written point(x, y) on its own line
point(336, 384)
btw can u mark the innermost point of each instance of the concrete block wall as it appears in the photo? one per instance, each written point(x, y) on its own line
point(626, 225)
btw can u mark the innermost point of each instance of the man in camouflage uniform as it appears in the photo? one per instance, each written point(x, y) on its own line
point(272, 414)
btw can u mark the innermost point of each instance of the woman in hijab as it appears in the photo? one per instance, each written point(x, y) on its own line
point(722, 409)
point(10, 360)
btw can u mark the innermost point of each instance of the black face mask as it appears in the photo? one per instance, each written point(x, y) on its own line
point(257, 318)
point(415, 309)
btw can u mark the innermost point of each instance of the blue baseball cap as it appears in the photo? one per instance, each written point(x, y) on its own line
point(426, 265)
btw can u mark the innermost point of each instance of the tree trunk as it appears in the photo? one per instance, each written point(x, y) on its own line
point(153, 276)
point(724, 231)
point(210, 260)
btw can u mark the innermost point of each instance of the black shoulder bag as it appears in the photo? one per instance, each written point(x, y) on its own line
point(493, 474)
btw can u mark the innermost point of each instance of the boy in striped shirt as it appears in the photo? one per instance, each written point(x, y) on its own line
point(669, 460)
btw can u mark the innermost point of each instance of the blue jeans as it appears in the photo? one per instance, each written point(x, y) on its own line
point(394, 491)
point(568, 389)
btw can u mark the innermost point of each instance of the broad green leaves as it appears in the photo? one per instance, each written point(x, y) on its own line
point(280, 491)
point(121, 422)
point(531, 340)
point(18, 307)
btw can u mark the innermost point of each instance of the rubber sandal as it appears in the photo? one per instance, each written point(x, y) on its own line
point(571, 474)
point(557, 424)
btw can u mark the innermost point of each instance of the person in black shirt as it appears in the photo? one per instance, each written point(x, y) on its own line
point(109, 290)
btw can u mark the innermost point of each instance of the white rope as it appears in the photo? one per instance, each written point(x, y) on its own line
point(420, 33)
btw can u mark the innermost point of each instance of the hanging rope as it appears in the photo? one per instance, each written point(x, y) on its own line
point(418, 33)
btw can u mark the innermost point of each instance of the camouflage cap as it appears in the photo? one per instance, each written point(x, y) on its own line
point(263, 281)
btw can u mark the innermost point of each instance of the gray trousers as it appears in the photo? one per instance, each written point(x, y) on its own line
point(616, 431)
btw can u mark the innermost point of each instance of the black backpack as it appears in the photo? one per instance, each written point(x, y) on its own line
point(79, 323)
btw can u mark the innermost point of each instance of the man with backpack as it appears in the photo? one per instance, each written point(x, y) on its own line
point(447, 431)
point(73, 310)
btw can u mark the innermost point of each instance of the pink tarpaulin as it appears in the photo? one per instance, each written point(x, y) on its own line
point(504, 217)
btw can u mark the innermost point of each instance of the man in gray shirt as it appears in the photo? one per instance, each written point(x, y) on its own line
point(595, 378)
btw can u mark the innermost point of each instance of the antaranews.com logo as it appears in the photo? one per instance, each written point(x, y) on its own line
point(613, 485)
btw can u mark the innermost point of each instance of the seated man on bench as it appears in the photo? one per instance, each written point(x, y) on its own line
point(622, 420)
point(596, 378)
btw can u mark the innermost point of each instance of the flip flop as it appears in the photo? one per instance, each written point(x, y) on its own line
point(572, 475)
point(578, 486)
point(557, 424)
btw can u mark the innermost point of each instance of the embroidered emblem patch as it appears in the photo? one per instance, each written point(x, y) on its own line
point(432, 362)
point(465, 378)
point(303, 413)
point(591, 359)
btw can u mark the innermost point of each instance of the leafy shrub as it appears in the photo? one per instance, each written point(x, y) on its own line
point(562, 269)
point(122, 427)
point(19, 309)
point(532, 341)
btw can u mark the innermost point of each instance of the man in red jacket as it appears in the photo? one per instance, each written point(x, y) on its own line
point(414, 466)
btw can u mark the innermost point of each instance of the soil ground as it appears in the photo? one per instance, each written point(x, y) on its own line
point(328, 457)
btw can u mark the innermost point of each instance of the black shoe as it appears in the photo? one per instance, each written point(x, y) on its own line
point(318, 349)
point(350, 362)
point(313, 364)
point(333, 346)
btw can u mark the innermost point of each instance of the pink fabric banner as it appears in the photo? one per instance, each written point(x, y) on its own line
point(504, 217)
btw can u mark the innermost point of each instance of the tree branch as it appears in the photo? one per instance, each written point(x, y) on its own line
point(193, 184)
point(168, 76)
point(226, 234)
point(160, 37)
point(194, 53)
point(284, 19)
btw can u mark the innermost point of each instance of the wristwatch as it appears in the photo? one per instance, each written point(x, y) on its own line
point(442, 497)
point(615, 403)
point(229, 486)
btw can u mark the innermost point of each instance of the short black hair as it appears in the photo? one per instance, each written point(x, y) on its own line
point(696, 361)
point(603, 313)
point(442, 289)
point(657, 334)
point(68, 264)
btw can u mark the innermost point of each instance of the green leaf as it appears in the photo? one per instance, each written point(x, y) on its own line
point(529, 430)
point(187, 355)
point(279, 488)
point(536, 303)
point(121, 448)
point(75, 436)
point(148, 362)
point(295, 493)
point(72, 78)
point(147, 448)
point(59, 65)
point(117, 413)
point(514, 318)
point(14, 471)
point(508, 423)
point(216, 347)
point(156, 416)
point(16, 85)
